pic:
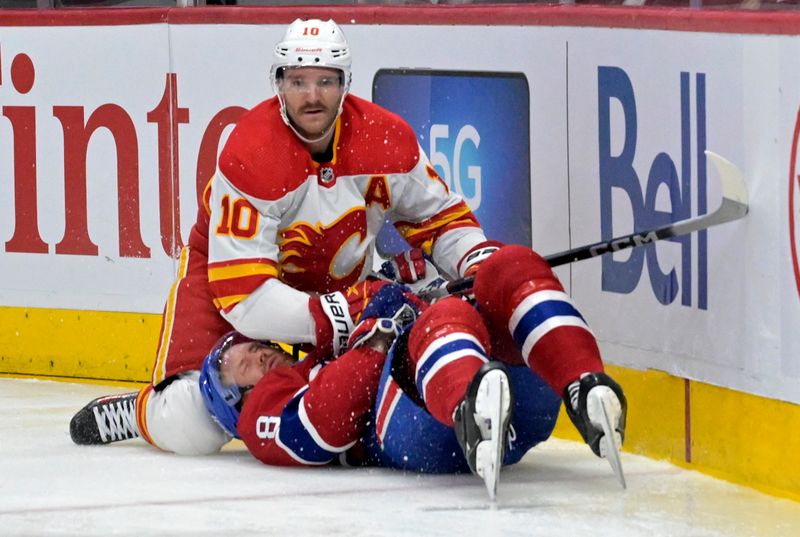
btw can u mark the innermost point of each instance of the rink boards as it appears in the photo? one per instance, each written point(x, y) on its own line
point(112, 120)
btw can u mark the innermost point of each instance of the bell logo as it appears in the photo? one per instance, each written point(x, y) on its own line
point(617, 173)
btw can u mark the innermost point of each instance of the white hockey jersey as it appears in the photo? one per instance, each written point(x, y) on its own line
point(283, 226)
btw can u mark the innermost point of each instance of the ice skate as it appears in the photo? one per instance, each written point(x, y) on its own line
point(482, 421)
point(597, 407)
point(106, 419)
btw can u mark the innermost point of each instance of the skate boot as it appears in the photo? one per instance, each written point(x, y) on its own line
point(597, 407)
point(106, 419)
point(481, 423)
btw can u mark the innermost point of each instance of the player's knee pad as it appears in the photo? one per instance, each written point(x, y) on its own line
point(176, 419)
point(444, 317)
point(503, 273)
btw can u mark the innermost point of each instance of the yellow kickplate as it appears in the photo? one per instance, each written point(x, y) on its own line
point(78, 344)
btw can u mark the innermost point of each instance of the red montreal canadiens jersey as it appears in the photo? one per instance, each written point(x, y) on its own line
point(311, 414)
point(283, 225)
point(261, 413)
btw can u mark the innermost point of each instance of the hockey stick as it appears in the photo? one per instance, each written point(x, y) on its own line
point(733, 207)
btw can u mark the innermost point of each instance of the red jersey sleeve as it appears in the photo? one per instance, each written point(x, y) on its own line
point(310, 414)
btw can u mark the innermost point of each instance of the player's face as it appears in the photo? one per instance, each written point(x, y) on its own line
point(245, 363)
point(311, 96)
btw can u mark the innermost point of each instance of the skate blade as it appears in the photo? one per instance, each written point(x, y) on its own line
point(609, 444)
point(489, 455)
point(487, 467)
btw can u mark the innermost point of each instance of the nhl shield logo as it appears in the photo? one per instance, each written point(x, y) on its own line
point(326, 175)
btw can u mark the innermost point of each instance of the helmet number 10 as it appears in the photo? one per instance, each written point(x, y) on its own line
point(439, 137)
point(313, 30)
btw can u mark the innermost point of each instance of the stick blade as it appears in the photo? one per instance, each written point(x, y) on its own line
point(731, 180)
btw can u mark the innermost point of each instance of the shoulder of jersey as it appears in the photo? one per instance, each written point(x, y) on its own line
point(262, 157)
point(375, 140)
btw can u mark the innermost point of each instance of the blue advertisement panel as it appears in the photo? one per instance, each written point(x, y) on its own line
point(474, 126)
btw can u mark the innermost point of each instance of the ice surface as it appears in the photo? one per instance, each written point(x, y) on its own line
point(49, 486)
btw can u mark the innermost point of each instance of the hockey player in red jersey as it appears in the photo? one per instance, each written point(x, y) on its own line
point(451, 388)
point(285, 234)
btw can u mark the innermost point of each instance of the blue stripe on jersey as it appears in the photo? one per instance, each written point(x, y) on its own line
point(296, 438)
point(540, 313)
point(442, 352)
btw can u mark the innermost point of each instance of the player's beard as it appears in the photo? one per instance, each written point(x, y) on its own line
point(315, 127)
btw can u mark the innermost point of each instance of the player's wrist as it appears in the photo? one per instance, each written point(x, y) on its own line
point(333, 321)
point(468, 265)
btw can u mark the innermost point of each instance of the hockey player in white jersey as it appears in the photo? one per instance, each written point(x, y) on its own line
point(286, 232)
point(284, 239)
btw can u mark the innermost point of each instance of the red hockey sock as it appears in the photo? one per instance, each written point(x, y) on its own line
point(516, 288)
point(447, 346)
point(555, 340)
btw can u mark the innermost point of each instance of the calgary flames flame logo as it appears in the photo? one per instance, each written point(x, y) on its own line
point(323, 259)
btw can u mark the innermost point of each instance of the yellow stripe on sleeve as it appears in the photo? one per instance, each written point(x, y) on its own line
point(227, 301)
point(241, 271)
